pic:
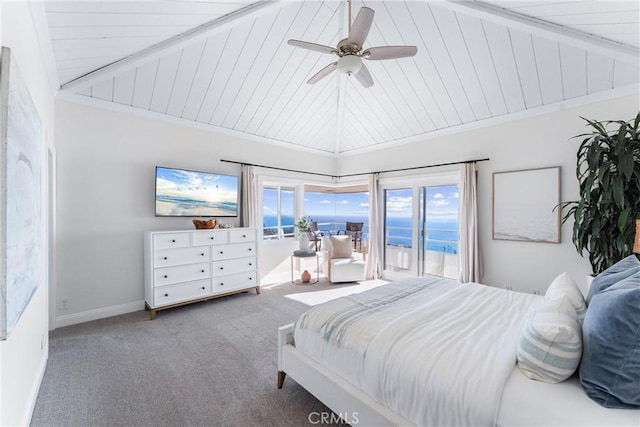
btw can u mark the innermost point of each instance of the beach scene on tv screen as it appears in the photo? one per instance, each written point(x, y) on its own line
point(190, 193)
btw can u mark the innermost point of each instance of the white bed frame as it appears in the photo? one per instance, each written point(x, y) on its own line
point(350, 403)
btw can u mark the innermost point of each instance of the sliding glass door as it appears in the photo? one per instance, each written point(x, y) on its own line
point(438, 225)
point(421, 238)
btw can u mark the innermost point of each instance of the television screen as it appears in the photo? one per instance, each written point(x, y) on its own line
point(189, 193)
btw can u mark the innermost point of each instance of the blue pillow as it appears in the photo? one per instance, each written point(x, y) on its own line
point(612, 275)
point(610, 367)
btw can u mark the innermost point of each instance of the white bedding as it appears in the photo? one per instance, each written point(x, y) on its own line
point(433, 350)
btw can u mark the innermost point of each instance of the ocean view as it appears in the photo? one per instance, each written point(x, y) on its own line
point(442, 234)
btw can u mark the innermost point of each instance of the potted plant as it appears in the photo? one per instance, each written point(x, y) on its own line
point(303, 225)
point(608, 172)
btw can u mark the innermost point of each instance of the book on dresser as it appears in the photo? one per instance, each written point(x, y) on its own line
point(183, 267)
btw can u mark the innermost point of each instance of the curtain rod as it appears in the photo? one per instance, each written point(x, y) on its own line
point(357, 174)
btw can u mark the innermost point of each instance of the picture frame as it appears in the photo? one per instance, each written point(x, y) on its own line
point(525, 205)
point(22, 248)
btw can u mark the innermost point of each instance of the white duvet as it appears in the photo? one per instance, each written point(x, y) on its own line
point(433, 350)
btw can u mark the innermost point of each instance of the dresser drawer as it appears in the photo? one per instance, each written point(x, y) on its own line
point(238, 250)
point(181, 273)
point(231, 266)
point(171, 240)
point(210, 237)
point(240, 235)
point(172, 294)
point(170, 257)
point(233, 281)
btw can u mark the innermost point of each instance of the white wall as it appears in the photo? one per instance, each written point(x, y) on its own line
point(105, 199)
point(23, 355)
point(539, 141)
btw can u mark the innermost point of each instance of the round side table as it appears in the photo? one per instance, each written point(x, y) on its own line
point(305, 254)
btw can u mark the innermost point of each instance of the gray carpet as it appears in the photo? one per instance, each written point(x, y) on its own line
point(207, 364)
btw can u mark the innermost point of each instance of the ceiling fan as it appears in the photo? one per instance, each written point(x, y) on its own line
point(350, 51)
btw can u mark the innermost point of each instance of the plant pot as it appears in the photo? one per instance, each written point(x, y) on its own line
point(304, 241)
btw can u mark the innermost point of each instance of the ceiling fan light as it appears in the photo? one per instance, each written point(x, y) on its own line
point(350, 64)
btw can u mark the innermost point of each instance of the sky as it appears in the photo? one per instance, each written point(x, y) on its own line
point(442, 202)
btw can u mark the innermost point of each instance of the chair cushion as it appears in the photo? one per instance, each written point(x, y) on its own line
point(563, 285)
point(340, 246)
point(610, 368)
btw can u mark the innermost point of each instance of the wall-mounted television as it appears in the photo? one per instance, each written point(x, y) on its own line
point(182, 192)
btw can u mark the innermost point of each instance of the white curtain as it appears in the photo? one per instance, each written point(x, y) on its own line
point(373, 264)
point(249, 197)
point(469, 253)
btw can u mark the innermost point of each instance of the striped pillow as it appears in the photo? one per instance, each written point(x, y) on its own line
point(563, 285)
point(550, 347)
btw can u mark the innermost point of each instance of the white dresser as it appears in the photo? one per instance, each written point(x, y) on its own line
point(181, 267)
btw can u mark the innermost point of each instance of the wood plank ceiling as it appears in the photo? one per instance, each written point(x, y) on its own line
point(226, 64)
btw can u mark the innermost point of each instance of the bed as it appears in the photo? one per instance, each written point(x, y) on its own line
point(429, 351)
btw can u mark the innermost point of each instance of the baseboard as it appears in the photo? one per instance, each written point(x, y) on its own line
point(99, 313)
point(36, 389)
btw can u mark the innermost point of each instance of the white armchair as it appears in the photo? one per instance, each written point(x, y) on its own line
point(340, 263)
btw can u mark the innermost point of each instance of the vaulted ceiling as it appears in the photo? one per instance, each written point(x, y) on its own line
point(226, 65)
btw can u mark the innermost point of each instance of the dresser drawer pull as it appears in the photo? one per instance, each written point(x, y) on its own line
point(221, 252)
point(165, 258)
point(212, 238)
point(173, 240)
point(250, 249)
point(250, 278)
point(165, 276)
point(250, 264)
point(221, 284)
point(202, 254)
point(202, 271)
point(244, 235)
point(166, 295)
point(203, 288)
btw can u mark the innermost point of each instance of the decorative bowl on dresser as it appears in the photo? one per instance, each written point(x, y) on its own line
point(183, 267)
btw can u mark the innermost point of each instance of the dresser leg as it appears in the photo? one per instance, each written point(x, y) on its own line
point(152, 314)
point(258, 290)
point(281, 376)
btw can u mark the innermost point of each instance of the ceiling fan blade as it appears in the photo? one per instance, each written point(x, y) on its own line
point(323, 73)
point(361, 26)
point(312, 46)
point(389, 52)
point(364, 77)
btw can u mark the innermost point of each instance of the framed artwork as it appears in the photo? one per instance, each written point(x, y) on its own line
point(524, 205)
point(22, 247)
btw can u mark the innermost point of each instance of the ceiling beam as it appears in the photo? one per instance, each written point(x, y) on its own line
point(342, 93)
point(545, 29)
point(174, 43)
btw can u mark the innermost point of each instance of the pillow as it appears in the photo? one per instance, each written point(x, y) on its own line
point(563, 285)
point(612, 275)
point(550, 346)
point(610, 369)
point(341, 246)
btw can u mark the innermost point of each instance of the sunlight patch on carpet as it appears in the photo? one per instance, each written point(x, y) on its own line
point(312, 298)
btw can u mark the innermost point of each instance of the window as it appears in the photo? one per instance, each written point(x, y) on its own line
point(278, 211)
point(332, 210)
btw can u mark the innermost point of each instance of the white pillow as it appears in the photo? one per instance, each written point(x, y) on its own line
point(341, 246)
point(550, 346)
point(563, 285)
